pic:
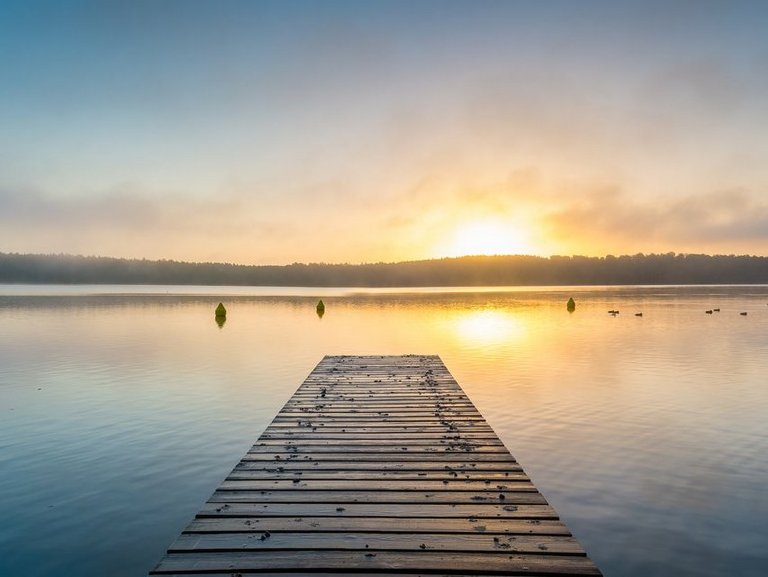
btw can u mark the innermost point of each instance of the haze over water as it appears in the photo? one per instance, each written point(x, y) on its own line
point(120, 413)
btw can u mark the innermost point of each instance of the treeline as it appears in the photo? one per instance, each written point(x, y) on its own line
point(667, 268)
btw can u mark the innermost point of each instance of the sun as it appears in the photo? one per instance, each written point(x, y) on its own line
point(488, 237)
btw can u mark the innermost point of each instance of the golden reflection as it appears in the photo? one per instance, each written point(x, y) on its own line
point(489, 327)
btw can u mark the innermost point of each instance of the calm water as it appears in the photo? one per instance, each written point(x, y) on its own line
point(122, 408)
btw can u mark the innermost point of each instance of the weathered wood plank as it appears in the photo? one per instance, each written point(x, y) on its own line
point(377, 483)
point(427, 410)
point(427, 510)
point(425, 413)
point(358, 438)
point(415, 399)
point(521, 496)
point(355, 394)
point(313, 474)
point(381, 427)
point(351, 525)
point(378, 561)
point(363, 419)
point(303, 573)
point(374, 449)
point(377, 465)
point(374, 481)
point(245, 541)
point(376, 445)
point(400, 456)
point(383, 398)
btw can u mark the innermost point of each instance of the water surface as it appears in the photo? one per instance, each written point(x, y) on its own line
point(122, 408)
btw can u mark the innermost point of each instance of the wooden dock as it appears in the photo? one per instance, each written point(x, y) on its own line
point(377, 466)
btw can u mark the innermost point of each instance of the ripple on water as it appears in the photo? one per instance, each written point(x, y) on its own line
point(120, 415)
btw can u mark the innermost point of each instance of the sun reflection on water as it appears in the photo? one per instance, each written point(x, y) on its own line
point(489, 327)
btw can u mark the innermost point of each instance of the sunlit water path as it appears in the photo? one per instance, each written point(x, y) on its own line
point(649, 434)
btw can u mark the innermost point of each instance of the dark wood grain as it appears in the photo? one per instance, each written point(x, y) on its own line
point(378, 560)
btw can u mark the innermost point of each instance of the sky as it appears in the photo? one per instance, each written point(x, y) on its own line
point(326, 131)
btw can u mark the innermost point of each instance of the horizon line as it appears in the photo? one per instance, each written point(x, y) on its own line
point(384, 263)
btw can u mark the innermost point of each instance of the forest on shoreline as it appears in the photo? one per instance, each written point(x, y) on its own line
point(515, 270)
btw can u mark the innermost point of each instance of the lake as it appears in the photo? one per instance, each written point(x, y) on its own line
point(122, 408)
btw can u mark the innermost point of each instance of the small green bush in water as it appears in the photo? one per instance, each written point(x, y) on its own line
point(320, 306)
point(571, 304)
point(221, 312)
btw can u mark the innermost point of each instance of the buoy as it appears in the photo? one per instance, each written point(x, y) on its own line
point(320, 308)
point(221, 312)
point(571, 306)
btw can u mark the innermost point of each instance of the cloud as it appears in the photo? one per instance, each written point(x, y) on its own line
point(126, 221)
point(120, 208)
point(710, 222)
point(327, 220)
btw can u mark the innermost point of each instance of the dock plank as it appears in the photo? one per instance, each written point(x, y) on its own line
point(309, 474)
point(378, 560)
point(517, 497)
point(354, 525)
point(377, 465)
point(342, 541)
point(378, 484)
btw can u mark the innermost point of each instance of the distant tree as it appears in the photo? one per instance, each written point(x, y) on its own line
point(669, 268)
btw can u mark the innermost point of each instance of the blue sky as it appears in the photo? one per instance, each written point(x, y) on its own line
point(273, 132)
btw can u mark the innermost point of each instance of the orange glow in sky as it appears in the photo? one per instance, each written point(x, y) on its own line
point(383, 131)
point(487, 237)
